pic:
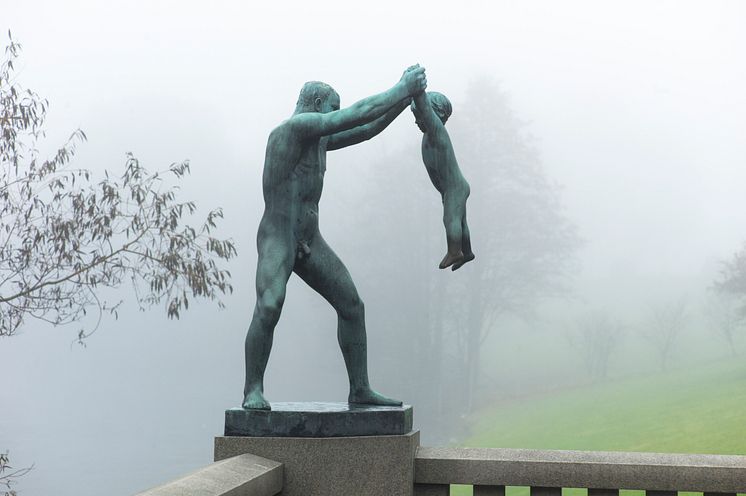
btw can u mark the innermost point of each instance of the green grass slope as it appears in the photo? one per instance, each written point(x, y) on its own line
point(697, 410)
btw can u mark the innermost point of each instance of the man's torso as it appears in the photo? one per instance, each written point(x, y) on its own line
point(293, 181)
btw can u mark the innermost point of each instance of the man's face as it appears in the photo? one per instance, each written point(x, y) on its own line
point(330, 103)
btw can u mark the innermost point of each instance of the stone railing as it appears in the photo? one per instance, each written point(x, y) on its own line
point(489, 470)
point(242, 475)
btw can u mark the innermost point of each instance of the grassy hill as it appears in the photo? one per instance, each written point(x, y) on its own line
point(697, 410)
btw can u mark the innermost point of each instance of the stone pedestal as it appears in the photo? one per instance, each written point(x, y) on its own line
point(328, 449)
point(334, 466)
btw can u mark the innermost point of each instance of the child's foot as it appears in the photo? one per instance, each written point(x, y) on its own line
point(450, 259)
point(370, 397)
point(254, 400)
point(467, 258)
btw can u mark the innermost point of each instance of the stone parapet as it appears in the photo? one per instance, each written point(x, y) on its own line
point(334, 466)
point(244, 475)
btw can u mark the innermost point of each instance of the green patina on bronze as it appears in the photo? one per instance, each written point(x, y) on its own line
point(431, 111)
point(289, 239)
point(319, 420)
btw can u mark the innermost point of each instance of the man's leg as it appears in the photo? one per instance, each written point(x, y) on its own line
point(327, 275)
point(274, 266)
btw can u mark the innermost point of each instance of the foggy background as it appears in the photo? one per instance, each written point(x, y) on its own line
point(604, 144)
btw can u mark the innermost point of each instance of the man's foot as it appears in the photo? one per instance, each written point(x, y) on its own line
point(255, 401)
point(370, 397)
point(467, 258)
point(450, 259)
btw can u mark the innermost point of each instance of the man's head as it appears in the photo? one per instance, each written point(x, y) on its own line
point(316, 96)
point(440, 104)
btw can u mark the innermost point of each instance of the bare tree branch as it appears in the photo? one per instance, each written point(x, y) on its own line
point(63, 234)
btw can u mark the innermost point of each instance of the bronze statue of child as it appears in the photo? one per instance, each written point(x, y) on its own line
point(431, 111)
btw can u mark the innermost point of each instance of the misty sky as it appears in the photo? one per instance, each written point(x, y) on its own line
point(638, 109)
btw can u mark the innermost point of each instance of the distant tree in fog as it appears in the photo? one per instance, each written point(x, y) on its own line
point(523, 241)
point(723, 312)
point(664, 327)
point(732, 278)
point(596, 336)
point(65, 235)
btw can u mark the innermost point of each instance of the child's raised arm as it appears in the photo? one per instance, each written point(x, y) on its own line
point(424, 113)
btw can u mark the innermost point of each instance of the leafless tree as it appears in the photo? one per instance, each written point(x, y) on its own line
point(596, 336)
point(732, 278)
point(523, 241)
point(516, 214)
point(663, 330)
point(723, 311)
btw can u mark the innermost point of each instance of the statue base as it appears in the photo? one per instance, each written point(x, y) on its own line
point(334, 466)
point(319, 420)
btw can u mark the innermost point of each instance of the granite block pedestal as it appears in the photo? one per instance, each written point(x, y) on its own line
point(320, 456)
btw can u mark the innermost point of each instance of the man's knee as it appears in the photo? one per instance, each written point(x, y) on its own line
point(354, 309)
point(268, 309)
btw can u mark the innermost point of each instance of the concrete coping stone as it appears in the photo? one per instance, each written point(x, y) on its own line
point(242, 475)
point(581, 469)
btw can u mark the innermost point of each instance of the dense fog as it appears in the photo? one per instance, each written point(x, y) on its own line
point(604, 144)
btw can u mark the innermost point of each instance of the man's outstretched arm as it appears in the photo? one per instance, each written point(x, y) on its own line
point(312, 124)
point(367, 131)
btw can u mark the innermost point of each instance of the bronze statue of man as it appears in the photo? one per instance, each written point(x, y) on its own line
point(289, 240)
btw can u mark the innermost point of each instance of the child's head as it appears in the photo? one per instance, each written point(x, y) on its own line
point(441, 105)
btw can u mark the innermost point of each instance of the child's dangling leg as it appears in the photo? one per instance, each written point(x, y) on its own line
point(452, 221)
point(465, 245)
